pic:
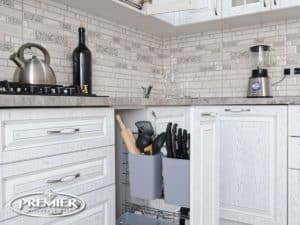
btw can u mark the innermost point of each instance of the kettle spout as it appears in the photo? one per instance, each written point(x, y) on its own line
point(15, 58)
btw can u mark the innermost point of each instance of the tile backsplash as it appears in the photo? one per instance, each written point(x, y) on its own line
point(218, 64)
point(208, 64)
point(124, 59)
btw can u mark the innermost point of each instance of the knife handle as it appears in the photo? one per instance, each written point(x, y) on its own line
point(174, 131)
point(169, 141)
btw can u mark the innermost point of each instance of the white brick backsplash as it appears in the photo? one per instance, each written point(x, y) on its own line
point(124, 59)
point(207, 64)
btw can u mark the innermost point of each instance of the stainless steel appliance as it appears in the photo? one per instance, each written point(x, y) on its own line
point(33, 71)
point(260, 83)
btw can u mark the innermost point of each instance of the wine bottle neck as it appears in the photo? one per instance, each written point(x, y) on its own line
point(81, 36)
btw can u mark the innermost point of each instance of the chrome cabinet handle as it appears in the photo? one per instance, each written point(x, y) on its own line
point(216, 7)
point(275, 2)
point(237, 110)
point(265, 3)
point(64, 131)
point(64, 179)
point(209, 114)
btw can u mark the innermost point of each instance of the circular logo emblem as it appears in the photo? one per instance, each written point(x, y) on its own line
point(256, 86)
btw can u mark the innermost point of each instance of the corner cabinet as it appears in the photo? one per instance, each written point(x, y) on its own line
point(253, 164)
point(242, 7)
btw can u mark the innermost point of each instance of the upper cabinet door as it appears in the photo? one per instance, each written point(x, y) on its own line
point(242, 7)
point(276, 4)
point(167, 6)
point(207, 11)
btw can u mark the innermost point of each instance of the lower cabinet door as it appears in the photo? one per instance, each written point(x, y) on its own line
point(253, 165)
point(294, 197)
point(100, 210)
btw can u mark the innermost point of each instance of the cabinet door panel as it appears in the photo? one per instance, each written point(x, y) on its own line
point(284, 3)
point(241, 7)
point(206, 12)
point(100, 210)
point(294, 197)
point(253, 166)
point(166, 6)
point(204, 169)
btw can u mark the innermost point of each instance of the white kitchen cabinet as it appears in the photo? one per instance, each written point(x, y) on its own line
point(242, 7)
point(277, 4)
point(100, 210)
point(64, 150)
point(253, 164)
point(294, 197)
point(34, 133)
point(166, 6)
point(208, 10)
point(204, 168)
point(161, 116)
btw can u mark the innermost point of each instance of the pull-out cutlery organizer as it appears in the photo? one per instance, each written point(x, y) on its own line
point(145, 176)
point(176, 175)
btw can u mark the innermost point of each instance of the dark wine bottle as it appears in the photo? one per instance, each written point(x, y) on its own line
point(82, 64)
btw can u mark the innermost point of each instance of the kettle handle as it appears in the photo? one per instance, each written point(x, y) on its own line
point(34, 45)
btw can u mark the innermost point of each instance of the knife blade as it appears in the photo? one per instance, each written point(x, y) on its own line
point(184, 144)
point(174, 134)
point(169, 141)
point(189, 145)
point(179, 144)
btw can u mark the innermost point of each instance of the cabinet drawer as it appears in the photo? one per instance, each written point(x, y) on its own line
point(95, 170)
point(100, 210)
point(293, 120)
point(294, 153)
point(294, 197)
point(32, 133)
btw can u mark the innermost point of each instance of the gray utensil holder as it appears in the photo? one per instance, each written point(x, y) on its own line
point(135, 219)
point(145, 176)
point(176, 175)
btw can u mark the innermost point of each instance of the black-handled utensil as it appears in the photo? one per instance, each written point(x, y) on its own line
point(174, 135)
point(158, 143)
point(180, 148)
point(189, 145)
point(169, 141)
point(185, 145)
point(145, 127)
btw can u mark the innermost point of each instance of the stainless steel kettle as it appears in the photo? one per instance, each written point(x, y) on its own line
point(34, 70)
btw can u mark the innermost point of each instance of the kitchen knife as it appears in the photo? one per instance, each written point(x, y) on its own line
point(180, 149)
point(174, 145)
point(169, 141)
point(184, 144)
point(189, 145)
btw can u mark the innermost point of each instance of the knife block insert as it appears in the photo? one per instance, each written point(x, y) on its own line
point(145, 176)
point(176, 175)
